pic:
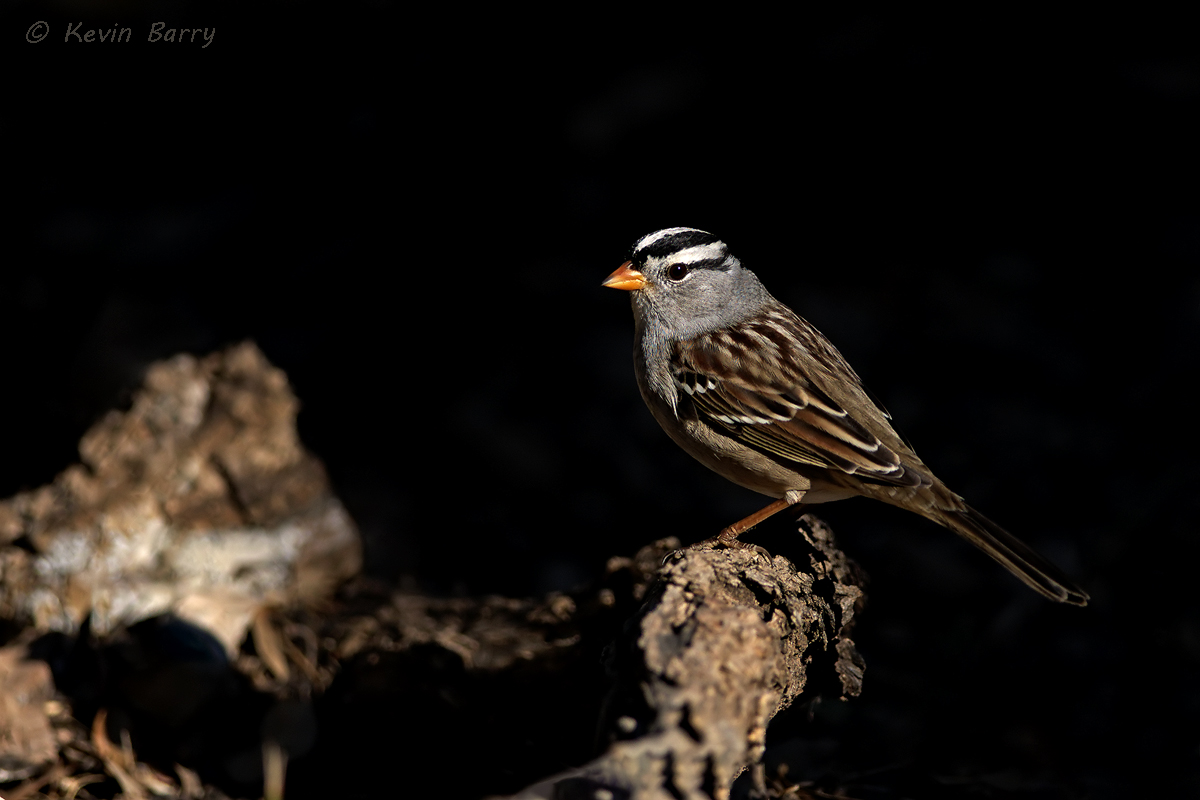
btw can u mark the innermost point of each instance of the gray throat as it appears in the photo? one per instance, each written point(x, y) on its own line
point(654, 339)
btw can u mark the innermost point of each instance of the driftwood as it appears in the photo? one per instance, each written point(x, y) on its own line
point(199, 500)
point(197, 524)
point(726, 639)
point(197, 503)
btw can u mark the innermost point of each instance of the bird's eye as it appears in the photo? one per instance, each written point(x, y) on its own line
point(677, 272)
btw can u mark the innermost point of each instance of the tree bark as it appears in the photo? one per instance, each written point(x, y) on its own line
point(725, 640)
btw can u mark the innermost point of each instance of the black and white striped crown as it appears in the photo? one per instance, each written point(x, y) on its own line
point(691, 246)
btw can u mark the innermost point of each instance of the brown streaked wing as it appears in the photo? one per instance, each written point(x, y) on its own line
point(736, 382)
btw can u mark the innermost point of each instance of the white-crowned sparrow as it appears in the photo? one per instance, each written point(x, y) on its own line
point(758, 395)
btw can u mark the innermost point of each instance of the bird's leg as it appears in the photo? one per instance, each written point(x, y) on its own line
point(728, 536)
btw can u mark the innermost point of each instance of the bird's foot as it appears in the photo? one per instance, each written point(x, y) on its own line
point(729, 538)
point(722, 539)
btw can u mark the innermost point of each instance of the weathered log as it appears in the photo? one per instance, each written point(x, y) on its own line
point(725, 640)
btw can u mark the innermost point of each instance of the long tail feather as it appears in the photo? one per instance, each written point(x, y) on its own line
point(1018, 557)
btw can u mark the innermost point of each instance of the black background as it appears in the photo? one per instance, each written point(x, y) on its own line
point(995, 218)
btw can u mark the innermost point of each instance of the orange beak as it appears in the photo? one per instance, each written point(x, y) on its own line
point(626, 277)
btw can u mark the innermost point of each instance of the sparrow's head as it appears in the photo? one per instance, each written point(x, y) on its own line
point(686, 281)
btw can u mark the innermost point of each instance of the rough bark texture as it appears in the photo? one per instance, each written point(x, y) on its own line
point(725, 640)
point(199, 509)
point(199, 500)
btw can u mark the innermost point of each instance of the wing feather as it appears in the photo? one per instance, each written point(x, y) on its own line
point(775, 383)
